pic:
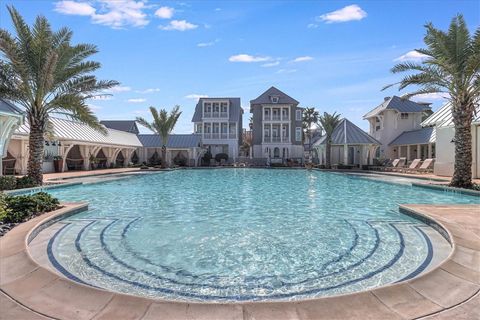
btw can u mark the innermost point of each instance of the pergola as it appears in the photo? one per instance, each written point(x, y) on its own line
point(10, 119)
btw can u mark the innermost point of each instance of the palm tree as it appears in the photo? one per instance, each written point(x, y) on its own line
point(310, 116)
point(42, 72)
point(328, 123)
point(163, 124)
point(451, 66)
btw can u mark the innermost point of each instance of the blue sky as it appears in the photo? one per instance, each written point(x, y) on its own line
point(331, 55)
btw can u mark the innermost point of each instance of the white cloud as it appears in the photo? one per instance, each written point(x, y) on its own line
point(349, 13)
point(431, 96)
point(150, 90)
point(164, 12)
point(302, 59)
point(218, 9)
point(118, 89)
point(137, 100)
point(116, 14)
point(179, 25)
point(312, 25)
point(271, 64)
point(102, 97)
point(248, 58)
point(195, 96)
point(74, 8)
point(411, 56)
point(207, 44)
point(94, 107)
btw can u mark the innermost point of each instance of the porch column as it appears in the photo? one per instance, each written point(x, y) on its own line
point(429, 151)
point(408, 153)
point(419, 151)
point(345, 154)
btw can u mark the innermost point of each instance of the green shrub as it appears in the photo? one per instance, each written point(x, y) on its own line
point(25, 182)
point(21, 208)
point(4, 211)
point(221, 156)
point(8, 182)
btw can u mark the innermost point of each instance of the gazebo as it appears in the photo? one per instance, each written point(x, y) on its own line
point(350, 146)
point(10, 119)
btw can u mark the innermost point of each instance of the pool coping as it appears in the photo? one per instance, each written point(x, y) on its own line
point(38, 292)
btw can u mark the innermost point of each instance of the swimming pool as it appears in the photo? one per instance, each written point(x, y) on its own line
point(245, 234)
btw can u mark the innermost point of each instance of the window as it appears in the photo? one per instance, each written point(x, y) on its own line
point(404, 115)
point(223, 107)
point(266, 114)
point(198, 128)
point(298, 134)
point(216, 107)
point(274, 99)
point(298, 115)
point(284, 113)
point(208, 107)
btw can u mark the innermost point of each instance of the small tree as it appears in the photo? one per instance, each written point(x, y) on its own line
point(163, 124)
point(328, 123)
point(310, 117)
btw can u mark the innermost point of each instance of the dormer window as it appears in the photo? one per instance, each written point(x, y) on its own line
point(404, 115)
point(274, 99)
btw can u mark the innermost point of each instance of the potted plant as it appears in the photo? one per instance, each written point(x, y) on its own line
point(58, 163)
point(93, 162)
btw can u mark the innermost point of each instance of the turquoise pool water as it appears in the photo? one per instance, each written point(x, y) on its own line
point(245, 234)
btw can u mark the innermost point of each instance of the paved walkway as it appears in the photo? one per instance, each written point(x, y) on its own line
point(78, 174)
point(29, 291)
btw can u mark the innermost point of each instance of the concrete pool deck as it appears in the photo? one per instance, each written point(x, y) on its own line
point(450, 291)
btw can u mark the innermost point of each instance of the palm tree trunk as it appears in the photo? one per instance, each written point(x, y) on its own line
point(328, 151)
point(35, 152)
point(164, 157)
point(462, 174)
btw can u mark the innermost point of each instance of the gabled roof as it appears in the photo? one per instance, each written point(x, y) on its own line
point(7, 107)
point(265, 98)
point(68, 130)
point(420, 136)
point(443, 117)
point(122, 125)
point(398, 104)
point(180, 141)
point(235, 109)
point(348, 133)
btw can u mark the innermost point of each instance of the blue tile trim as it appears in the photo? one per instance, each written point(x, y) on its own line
point(425, 262)
point(55, 262)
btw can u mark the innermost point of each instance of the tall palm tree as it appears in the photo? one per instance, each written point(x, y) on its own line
point(451, 66)
point(328, 122)
point(163, 124)
point(310, 117)
point(42, 72)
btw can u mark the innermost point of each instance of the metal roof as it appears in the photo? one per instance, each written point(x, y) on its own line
point(420, 136)
point(180, 141)
point(398, 104)
point(122, 125)
point(7, 107)
point(348, 133)
point(265, 98)
point(68, 130)
point(443, 117)
point(235, 109)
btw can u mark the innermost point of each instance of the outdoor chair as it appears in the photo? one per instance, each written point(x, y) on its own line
point(427, 166)
point(397, 163)
point(9, 166)
point(415, 163)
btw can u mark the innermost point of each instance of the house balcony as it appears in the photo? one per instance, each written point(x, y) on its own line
point(217, 136)
point(215, 115)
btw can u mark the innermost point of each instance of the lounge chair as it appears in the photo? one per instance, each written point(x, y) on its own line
point(397, 163)
point(385, 163)
point(415, 163)
point(427, 166)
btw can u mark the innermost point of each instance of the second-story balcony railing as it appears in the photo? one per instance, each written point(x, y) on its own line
point(217, 135)
point(215, 114)
point(266, 139)
point(276, 118)
point(223, 114)
point(275, 139)
point(224, 136)
point(207, 114)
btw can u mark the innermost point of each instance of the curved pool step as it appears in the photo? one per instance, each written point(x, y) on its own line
point(101, 265)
